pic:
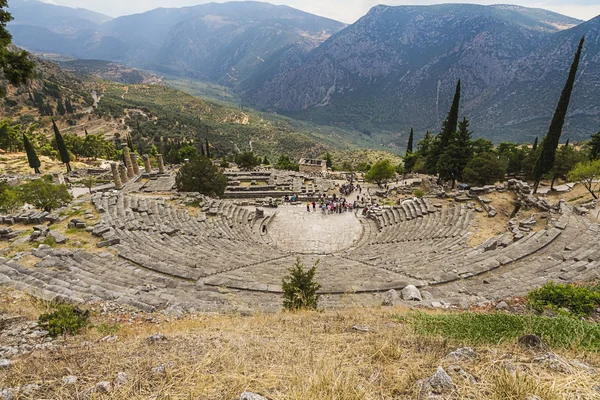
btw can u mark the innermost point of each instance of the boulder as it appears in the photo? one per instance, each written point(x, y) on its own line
point(4, 363)
point(7, 394)
point(390, 298)
point(59, 238)
point(411, 293)
point(120, 379)
point(464, 353)
point(69, 380)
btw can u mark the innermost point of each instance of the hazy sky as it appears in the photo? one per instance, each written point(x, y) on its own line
point(341, 10)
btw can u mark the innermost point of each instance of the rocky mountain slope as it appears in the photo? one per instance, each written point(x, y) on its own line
point(394, 68)
point(224, 43)
point(398, 66)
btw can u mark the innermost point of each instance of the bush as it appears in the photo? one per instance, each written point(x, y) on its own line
point(419, 193)
point(45, 195)
point(300, 288)
point(579, 300)
point(481, 328)
point(65, 320)
point(380, 171)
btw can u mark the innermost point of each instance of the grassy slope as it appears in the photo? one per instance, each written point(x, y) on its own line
point(283, 356)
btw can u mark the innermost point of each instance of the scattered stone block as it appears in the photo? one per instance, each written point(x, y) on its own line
point(411, 293)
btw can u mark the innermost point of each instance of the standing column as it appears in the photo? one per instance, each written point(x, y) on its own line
point(134, 161)
point(128, 163)
point(116, 176)
point(161, 164)
point(147, 164)
point(123, 171)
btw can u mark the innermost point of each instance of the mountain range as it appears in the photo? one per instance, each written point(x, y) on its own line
point(394, 68)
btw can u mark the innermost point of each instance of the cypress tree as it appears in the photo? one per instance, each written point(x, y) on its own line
point(62, 148)
point(567, 143)
point(202, 150)
point(409, 146)
point(451, 122)
point(595, 146)
point(207, 149)
point(32, 158)
point(85, 130)
point(545, 161)
point(130, 143)
point(60, 108)
point(535, 144)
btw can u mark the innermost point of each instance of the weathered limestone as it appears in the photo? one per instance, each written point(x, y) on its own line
point(116, 176)
point(128, 162)
point(134, 161)
point(123, 172)
point(161, 164)
point(147, 165)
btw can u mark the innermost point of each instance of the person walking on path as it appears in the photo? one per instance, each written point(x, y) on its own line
point(308, 206)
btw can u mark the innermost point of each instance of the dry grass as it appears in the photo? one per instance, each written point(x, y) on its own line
point(485, 227)
point(16, 163)
point(282, 356)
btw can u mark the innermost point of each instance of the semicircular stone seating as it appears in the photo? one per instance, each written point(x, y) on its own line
point(160, 255)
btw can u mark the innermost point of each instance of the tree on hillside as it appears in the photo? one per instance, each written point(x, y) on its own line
point(409, 146)
point(201, 175)
point(10, 136)
point(485, 169)
point(16, 66)
point(285, 163)
point(207, 149)
point(448, 128)
point(10, 200)
point(328, 160)
point(60, 108)
point(535, 144)
point(62, 148)
point(588, 173)
point(69, 106)
point(545, 161)
point(595, 146)
point(45, 195)
point(566, 159)
point(380, 171)
point(32, 158)
point(456, 155)
point(247, 160)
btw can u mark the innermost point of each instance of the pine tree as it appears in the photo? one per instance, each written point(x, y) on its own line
point(545, 161)
point(409, 146)
point(535, 144)
point(32, 158)
point(62, 148)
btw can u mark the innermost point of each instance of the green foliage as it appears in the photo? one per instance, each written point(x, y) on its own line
point(579, 300)
point(10, 136)
point(481, 329)
point(108, 329)
point(247, 160)
point(285, 163)
point(485, 169)
point(381, 171)
point(328, 160)
point(32, 158)
point(43, 194)
point(545, 161)
point(588, 173)
point(363, 167)
point(15, 66)
point(594, 146)
point(201, 175)
point(65, 320)
point(444, 138)
point(566, 159)
point(62, 148)
point(224, 163)
point(409, 146)
point(300, 288)
point(456, 155)
point(419, 193)
point(10, 199)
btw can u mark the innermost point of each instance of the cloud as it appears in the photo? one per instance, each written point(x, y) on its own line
point(342, 10)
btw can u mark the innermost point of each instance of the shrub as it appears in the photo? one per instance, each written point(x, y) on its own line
point(579, 300)
point(65, 320)
point(481, 328)
point(419, 193)
point(300, 288)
